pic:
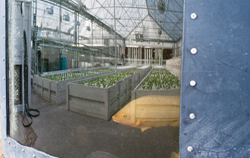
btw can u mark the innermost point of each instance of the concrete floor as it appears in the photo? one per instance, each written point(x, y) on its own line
point(67, 134)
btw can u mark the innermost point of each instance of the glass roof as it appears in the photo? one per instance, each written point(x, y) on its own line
point(149, 28)
point(172, 19)
point(130, 13)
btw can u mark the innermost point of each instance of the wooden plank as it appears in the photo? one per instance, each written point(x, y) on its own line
point(46, 83)
point(113, 92)
point(53, 85)
point(169, 92)
point(87, 113)
point(53, 99)
point(39, 90)
point(46, 95)
point(39, 81)
point(106, 102)
point(113, 108)
point(87, 105)
point(123, 98)
point(85, 92)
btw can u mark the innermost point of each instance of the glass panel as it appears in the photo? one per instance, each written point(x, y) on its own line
point(92, 80)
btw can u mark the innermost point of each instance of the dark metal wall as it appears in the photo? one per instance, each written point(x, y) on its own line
point(220, 99)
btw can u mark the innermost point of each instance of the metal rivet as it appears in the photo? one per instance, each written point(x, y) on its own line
point(3, 15)
point(193, 50)
point(8, 142)
point(190, 149)
point(193, 16)
point(3, 36)
point(14, 146)
point(3, 59)
point(4, 138)
point(23, 150)
point(4, 116)
point(192, 83)
point(3, 78)
point(3, 97)
point(34, 156)
point(192, 116)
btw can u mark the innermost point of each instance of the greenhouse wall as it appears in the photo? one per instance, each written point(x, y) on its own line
point(104, 101)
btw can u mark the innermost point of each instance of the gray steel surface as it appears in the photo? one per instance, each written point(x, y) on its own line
point(220, 99)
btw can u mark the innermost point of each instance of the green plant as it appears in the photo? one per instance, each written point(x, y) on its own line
point(108, 81)
point(160, 79)
point(70, 75)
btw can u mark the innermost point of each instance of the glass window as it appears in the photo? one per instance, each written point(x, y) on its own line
point(90, 78)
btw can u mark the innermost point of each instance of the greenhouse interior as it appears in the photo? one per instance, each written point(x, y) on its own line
point(96, 78)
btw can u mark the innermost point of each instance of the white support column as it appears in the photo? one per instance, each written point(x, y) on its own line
point(150, 57)
point(141, 56)
point(144, 55)
point(129, 55)
point(132, 51)
point(136, 56)
point(136, 51)
point(133, 55)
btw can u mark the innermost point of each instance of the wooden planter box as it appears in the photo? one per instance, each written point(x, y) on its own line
point(101, 102)
point(55, 91)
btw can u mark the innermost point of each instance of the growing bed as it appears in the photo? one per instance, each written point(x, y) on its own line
point(159, 81)
point(101, 97)
point(52, 86)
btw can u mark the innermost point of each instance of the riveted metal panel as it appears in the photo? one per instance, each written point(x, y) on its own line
point(221, 68)
point(11, 148)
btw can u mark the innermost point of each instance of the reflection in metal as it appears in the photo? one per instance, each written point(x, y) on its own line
point(150, 111)
point(161, 6)
point(30, 135)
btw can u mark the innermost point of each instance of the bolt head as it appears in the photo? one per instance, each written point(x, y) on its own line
point(34, 156)
point(193, 16)
point(193, 50)
point(23, 150)
point(190, 149)
point(192, 116)
point(192, 83)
